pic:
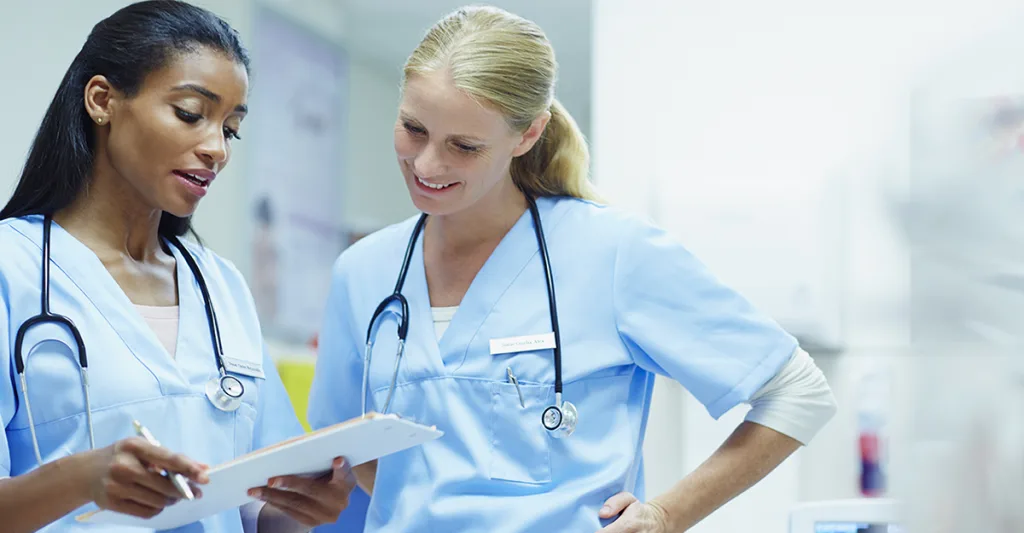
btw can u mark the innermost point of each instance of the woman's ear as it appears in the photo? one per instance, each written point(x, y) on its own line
point(100, 99)
point(532, 134)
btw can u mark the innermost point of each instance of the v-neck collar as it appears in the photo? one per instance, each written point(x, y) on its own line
point(85, 270)
point(515, 250)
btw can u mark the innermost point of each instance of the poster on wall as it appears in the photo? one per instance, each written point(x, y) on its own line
point(296, 171)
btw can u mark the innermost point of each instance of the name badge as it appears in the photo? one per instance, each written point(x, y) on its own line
point(523, 343)
point(243, 367)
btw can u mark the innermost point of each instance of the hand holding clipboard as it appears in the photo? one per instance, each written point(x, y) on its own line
point(360, 440)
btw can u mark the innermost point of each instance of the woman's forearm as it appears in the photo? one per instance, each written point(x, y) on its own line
point(746, 457)
point(366, 473)
point(40, 497)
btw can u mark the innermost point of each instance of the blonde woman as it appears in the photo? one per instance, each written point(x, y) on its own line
point(527, 320)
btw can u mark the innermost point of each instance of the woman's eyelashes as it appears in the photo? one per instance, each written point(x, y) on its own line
point(413, 129)
point(186, 116)
point(191, 118)
point(419, 131)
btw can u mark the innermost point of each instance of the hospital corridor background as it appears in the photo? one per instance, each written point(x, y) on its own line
point(855, 169)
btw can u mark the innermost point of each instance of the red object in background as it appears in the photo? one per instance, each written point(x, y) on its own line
point(872, 479)
point(873, 402)
point(869, 448)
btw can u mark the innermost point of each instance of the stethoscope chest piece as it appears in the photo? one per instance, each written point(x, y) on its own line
point(225, 392)
point(560, 421)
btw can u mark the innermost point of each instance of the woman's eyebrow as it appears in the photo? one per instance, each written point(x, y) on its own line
point(210, 95)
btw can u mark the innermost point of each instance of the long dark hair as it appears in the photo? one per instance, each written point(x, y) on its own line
point(125, 47)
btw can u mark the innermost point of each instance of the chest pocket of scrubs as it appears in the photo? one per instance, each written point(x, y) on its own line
point(520, 446)
point(246, 414)
point(245, 427)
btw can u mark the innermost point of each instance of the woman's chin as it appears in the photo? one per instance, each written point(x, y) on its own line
point(181, 209)
point(433, 207)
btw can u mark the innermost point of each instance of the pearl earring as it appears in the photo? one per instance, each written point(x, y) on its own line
point(99, 120)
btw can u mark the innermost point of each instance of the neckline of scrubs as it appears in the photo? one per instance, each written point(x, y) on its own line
point(85, 270)
point(513, 253)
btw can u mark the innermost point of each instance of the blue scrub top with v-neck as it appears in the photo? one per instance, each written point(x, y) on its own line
point(131, 375)
point(632, 303)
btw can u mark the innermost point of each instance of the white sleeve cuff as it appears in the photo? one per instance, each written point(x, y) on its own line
point(274, 522)
point(796, 402)
point(251, 516)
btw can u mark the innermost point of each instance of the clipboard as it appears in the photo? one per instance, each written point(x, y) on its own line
point(360, 440)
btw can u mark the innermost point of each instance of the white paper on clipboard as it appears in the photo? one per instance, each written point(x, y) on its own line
point(359, 440)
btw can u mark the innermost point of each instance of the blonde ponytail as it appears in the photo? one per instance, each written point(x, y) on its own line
point(507, 62)
point(559, 164)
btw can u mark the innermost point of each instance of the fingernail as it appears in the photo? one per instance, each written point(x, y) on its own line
point(606, 509)
point(277, 483)
point(254, 493)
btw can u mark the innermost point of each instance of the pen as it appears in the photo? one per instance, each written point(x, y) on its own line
point(178, 480)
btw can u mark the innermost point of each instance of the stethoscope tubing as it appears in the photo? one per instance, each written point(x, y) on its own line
point(46, 316)
point(403, 325)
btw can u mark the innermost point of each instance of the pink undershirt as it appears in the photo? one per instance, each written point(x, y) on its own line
point(164, 323)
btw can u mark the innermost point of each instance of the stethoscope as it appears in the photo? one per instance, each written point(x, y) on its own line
point(560, 418)
point(225, 391)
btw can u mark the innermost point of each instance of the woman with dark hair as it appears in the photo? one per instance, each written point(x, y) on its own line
point(95, 275)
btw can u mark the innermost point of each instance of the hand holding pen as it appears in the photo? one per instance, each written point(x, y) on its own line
point(177, 480)
point(130, 477)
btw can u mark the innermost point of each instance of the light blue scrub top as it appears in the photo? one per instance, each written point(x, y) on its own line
point(632, 303)
point(131, 374)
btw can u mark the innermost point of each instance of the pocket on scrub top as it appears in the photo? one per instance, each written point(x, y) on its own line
point(520, 446)
point(245, 428)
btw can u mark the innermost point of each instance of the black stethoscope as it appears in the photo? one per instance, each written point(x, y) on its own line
point(560, 418)
point(225, 392)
